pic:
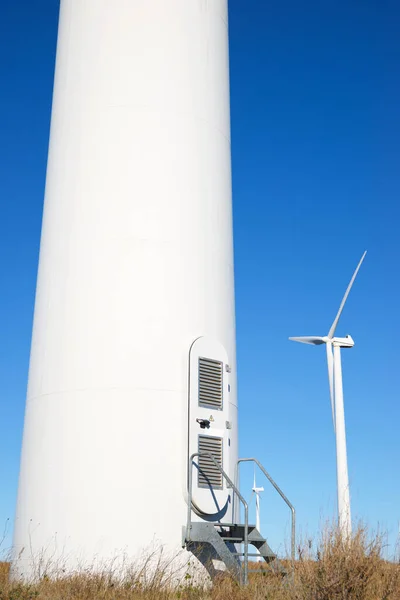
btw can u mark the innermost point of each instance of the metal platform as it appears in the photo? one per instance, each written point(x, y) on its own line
point(229, 542)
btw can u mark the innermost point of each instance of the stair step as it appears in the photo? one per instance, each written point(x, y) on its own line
point(240, 539)
point(254, 554)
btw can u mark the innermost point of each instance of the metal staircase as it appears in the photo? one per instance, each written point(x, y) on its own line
point(218, 541)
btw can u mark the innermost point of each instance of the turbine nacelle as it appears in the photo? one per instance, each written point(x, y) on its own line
point(257, 490)
point(346, 342)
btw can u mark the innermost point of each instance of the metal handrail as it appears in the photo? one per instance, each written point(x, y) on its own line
point(239, 495)
point(282, 495)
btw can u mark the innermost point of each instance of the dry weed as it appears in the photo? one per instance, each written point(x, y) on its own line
point(336, 570)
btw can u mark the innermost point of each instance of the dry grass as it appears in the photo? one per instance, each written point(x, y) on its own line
point(335, 570)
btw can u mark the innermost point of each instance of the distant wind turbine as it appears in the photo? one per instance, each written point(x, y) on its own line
point(257, 491)
point(333, 346)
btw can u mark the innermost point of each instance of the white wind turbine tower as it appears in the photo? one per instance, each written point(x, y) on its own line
point(333, 346)
point(257, 491)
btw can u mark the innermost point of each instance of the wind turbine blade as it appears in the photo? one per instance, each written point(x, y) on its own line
point(254, 486)
point(336, 321)
point(308, 339)
point(329, 356)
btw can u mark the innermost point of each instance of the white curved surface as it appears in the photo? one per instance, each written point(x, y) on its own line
point(136, 262)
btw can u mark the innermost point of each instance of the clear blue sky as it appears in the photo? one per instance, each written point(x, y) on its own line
point(315, 104)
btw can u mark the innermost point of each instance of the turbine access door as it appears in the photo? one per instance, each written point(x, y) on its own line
point(209, 428)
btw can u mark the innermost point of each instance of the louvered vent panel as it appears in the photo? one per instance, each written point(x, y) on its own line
point(210, 383)
point(209, 475)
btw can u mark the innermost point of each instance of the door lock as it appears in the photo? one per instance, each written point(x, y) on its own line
point(204, 423)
